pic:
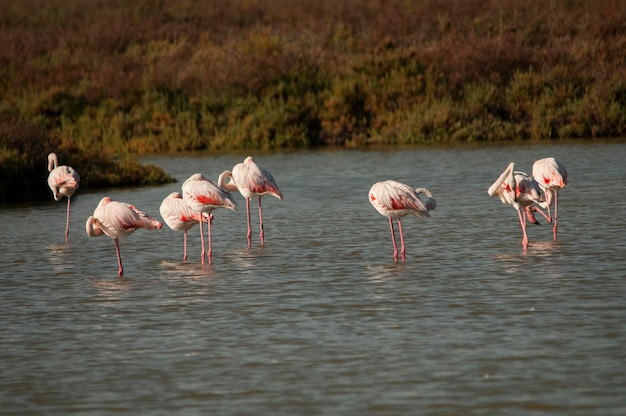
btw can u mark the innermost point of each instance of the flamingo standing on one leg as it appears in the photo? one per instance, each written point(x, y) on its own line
point(251, 180)
point(117, 220)
point(396, 200)
point(202, 195)
point(63, 181)
point(179, 216)
point(551, 176)
point(521, 192)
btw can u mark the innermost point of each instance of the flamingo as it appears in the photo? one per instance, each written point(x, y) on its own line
point(551, 176)
point(63, 181)
point(396, 200)
point(202, 195)
point(117, 220)
point(180, 217)
point(520, 191)
point(250, 180)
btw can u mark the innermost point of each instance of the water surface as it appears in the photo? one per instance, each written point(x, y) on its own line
point(320, 320)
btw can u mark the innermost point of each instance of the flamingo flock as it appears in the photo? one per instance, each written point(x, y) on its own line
point(529, 194)
point(181, 212)
point(203, 196)
point(200, 196)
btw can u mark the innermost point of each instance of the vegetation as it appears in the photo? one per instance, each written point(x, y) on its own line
point(24, 150)
point(120, 77)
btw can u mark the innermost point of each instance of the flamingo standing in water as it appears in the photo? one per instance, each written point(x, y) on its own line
point(396, 200)
point(63, 181)
point(117, 220)
point(250, 180)
point(202, 195)
point(551, 176)
point(520, 191)
point(179, 216)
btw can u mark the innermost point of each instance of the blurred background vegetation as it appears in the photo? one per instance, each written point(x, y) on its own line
point(93, 80)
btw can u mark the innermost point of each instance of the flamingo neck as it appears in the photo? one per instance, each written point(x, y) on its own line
point(93, 228)
point(430, 203)
point(507, 176)
point(53, 161)
point(226, 181)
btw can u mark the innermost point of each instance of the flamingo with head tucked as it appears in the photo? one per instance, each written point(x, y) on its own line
point(204, 196)
point(551, 176)
point(118, 220)
point(63, 181)
point(396, 200)
point(179, 216)
point(251, 181)
point(520, 191)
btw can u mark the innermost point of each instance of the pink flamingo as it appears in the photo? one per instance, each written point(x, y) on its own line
point(63, 181)
point(117, 220)
point(202, 195)
point(521, 192)
point(180, 217)
point(551, 176)
point(251, 180)
point(396, 200)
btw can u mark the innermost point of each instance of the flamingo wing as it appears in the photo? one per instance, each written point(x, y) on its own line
point(119, 219)
point(139, 219)
point(203, 195)
point(178, 215)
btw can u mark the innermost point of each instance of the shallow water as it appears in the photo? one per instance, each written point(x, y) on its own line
point(320, 320)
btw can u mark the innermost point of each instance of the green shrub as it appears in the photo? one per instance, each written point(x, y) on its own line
point(185, 76)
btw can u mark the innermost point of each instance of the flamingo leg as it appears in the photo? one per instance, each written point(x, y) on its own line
point(530, 216)
point(403, 250)
point(522, 221)
point(67, 223)
point(249, 225)
point(185, 245)
point(210, 250)
point(536, 209)
point(120, 270)
point(556, 207)
point(549, 203)
point(262, 232)
point(202, 240)
point(393, 240)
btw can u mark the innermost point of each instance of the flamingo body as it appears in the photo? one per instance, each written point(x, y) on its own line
point(551, 176)
point(204, 196)
point(251, 181)
point(396, 200)
point(118, 220)
point(179, 216)
point(63, 181)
